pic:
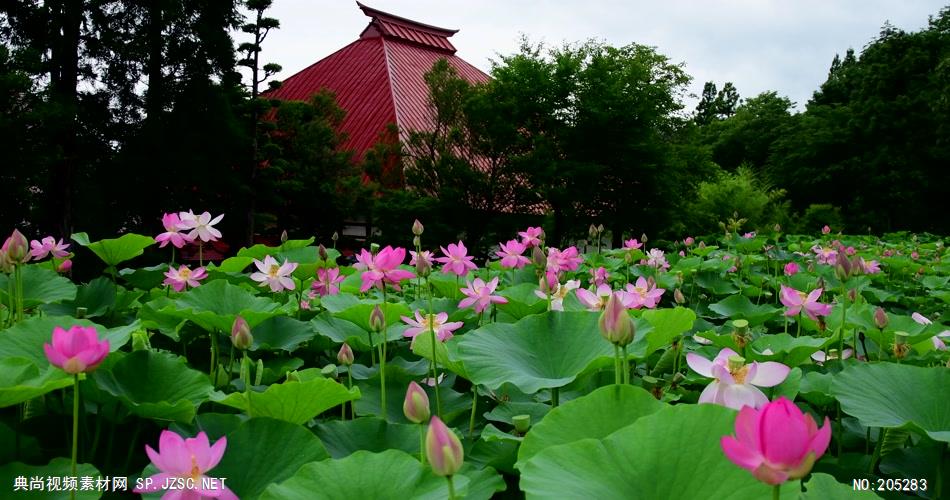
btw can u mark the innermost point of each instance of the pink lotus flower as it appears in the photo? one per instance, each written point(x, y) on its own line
point(49, 245)
point(382, 268)
point(557, 290)
point(185, 462)
point(274, 274)
point(796, 301)
point(821, 357)
point(777, 442)
point(510, 254)
point(869, 267)
point(749, 235)
point(689, 241)
point(480, 294)
point(199, 226)
point(77, 350)
point(656, 258)
point(791, 269)
point(595, 301)
point(920, 319)
point(563, 260)
point(531, 237)
point(643, 294)
point(938, 340)
point(826, 255)
point(826, 229)
point(437, 322)
point(183, 277)
point(735, 381)
point(599, 276)
point(172, 234)
point(65, 266)
point(327, 282)
point(632, 244)
point(443, 449)
point(456, 260)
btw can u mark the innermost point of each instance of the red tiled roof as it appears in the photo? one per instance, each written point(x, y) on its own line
point(379, 78)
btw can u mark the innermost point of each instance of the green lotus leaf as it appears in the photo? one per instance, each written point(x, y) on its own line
point(539, 351)
point(344, 437)
point(263, 451)
point(740, 307)
point(788, 350)
point(281, 333)
point(637, 462)
point(116, 250)
point(98, 297)
point(294, 402)
point(894, 395)
point(21, 380)
point(595, 415)
point(156, 385)
point(390, 474)
point(659, 328)
point(213, 306)
point(40, 286)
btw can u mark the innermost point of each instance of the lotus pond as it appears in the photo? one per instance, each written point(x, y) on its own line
point(743, 366)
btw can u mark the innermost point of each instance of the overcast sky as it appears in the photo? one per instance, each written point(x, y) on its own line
point(759, 45)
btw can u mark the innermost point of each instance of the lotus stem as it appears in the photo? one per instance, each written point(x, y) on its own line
point(776, 491)
point(451, 488)
point(72, 492)
point(617, 366)
point(626, 365)
point(471, 418)
point(349, 385)
point(555, 396)
point(382, 377)
point(844, 315)
point(422, 443)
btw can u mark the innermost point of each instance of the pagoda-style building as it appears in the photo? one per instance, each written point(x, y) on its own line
point(378, 79)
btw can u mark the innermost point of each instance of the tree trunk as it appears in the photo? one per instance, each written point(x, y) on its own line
point(66, 18)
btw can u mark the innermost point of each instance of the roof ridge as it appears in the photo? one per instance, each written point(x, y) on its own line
point(409, 23)
point(392, 81)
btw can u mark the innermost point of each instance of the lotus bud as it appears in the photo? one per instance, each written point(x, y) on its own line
point(283, 236)
point(548, 283)
point(322, 253)
point(443, 449)
point(777, 228)
point(423, 267)
point(643, 238)
point(689, 241)
point(416, 241)
point(852, 295)
point(65, 266)
point(615, 324)
point(374, 248)
point(541, 237)
point(678, 297)
point(416, 405)
point(592, 231)
point(522, 423)
point(826, 229)
point(880, 318)
point(241, 336)
point(377, 320)
point(345, 355)
point(538, 257)
point(259, 373)
point(842, 265)
point(702, 245)
point(600, 228)
point(335, 237)
point(417, 228)
point(16, 248)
